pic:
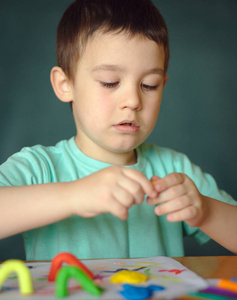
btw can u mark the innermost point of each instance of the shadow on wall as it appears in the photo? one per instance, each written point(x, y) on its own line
point(211, 248)
point(12, 248)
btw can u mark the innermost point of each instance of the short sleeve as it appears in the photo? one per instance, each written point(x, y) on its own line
point(207, 186)
point(24, 168)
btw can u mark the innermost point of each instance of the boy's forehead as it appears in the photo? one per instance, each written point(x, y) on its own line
point(119, 45)
point(120, 69)
point(115, 36)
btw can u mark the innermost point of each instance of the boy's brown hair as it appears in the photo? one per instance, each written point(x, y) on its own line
point(84, 17)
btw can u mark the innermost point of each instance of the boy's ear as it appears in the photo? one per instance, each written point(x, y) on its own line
point(61, 84)
point(165, 80)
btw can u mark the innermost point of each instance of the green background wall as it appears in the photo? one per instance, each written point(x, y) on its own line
point(198, 113)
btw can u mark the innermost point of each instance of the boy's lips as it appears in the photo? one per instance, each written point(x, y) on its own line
point(127, 126)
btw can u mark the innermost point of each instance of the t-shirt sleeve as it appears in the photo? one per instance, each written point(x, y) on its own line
point(206, 185)
point(24, 168)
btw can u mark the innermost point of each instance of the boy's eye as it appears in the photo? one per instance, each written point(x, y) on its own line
point(109, 85)
point(149, 87)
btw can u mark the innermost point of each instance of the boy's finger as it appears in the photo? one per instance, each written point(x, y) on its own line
point(168, 207)
point(168, 181)
point(124, 197)
point(131, 189)
point(118, 210)
point(175, 192)
point(154, 178)
point(139, 177)
point(182, 215)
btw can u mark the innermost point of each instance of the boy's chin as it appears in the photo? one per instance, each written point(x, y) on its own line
point(124, 149)
point(126, 146)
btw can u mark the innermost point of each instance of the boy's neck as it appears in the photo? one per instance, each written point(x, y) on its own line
point(106, 156)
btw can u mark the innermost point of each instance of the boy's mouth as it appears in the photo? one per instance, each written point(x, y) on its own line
point(127, 126)
point(128, 123)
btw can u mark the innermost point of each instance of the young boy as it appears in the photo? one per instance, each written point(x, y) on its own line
point(86, 195)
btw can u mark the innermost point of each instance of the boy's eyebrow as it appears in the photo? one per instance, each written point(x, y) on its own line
point(156, 71)
point(114, 68)
point(107, 68)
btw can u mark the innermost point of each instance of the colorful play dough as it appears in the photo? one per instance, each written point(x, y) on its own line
point(71, 260)
point(135, 292)
point(127, 276)
point(84, 281)
point(156, 288)
point(139, 293)
point(18, 266)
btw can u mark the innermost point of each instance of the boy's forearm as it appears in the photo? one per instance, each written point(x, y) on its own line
point(28, 207)
point(221, 223)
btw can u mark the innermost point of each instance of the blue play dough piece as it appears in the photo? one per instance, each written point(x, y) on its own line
point(132, 292)
point(156, 288)
point(136, 292)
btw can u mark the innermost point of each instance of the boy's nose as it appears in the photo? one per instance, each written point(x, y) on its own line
point(131, 100)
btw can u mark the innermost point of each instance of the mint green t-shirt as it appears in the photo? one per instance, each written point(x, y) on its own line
point(143, 234)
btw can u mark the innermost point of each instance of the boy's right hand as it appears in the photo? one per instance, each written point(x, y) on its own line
point(114, 189)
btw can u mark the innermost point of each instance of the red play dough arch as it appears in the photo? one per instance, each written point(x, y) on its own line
point(71, 260)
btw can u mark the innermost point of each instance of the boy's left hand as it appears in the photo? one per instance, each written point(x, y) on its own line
point(179, 198)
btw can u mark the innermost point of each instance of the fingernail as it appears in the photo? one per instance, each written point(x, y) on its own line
point(157, 210)
point(149, 201)
point(157, 186)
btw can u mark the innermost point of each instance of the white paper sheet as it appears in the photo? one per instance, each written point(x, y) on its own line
point(162, 271)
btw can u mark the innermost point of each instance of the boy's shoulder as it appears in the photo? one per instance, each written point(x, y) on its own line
point(163, 159)
point(38, 164)
point(39, 156)
point(151, 149)
point(42, 150)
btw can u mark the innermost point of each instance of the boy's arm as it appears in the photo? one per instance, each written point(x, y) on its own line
point(179, 198)
point(221, 223)
point(28, 207)
point(114, 190)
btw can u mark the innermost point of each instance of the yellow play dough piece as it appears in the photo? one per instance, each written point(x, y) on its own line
point(125, 276)
point(18, 266)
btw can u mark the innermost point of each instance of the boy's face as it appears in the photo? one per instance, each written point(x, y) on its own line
point(116, 95)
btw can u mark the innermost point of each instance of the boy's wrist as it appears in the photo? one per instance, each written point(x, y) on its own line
point(74, 197)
